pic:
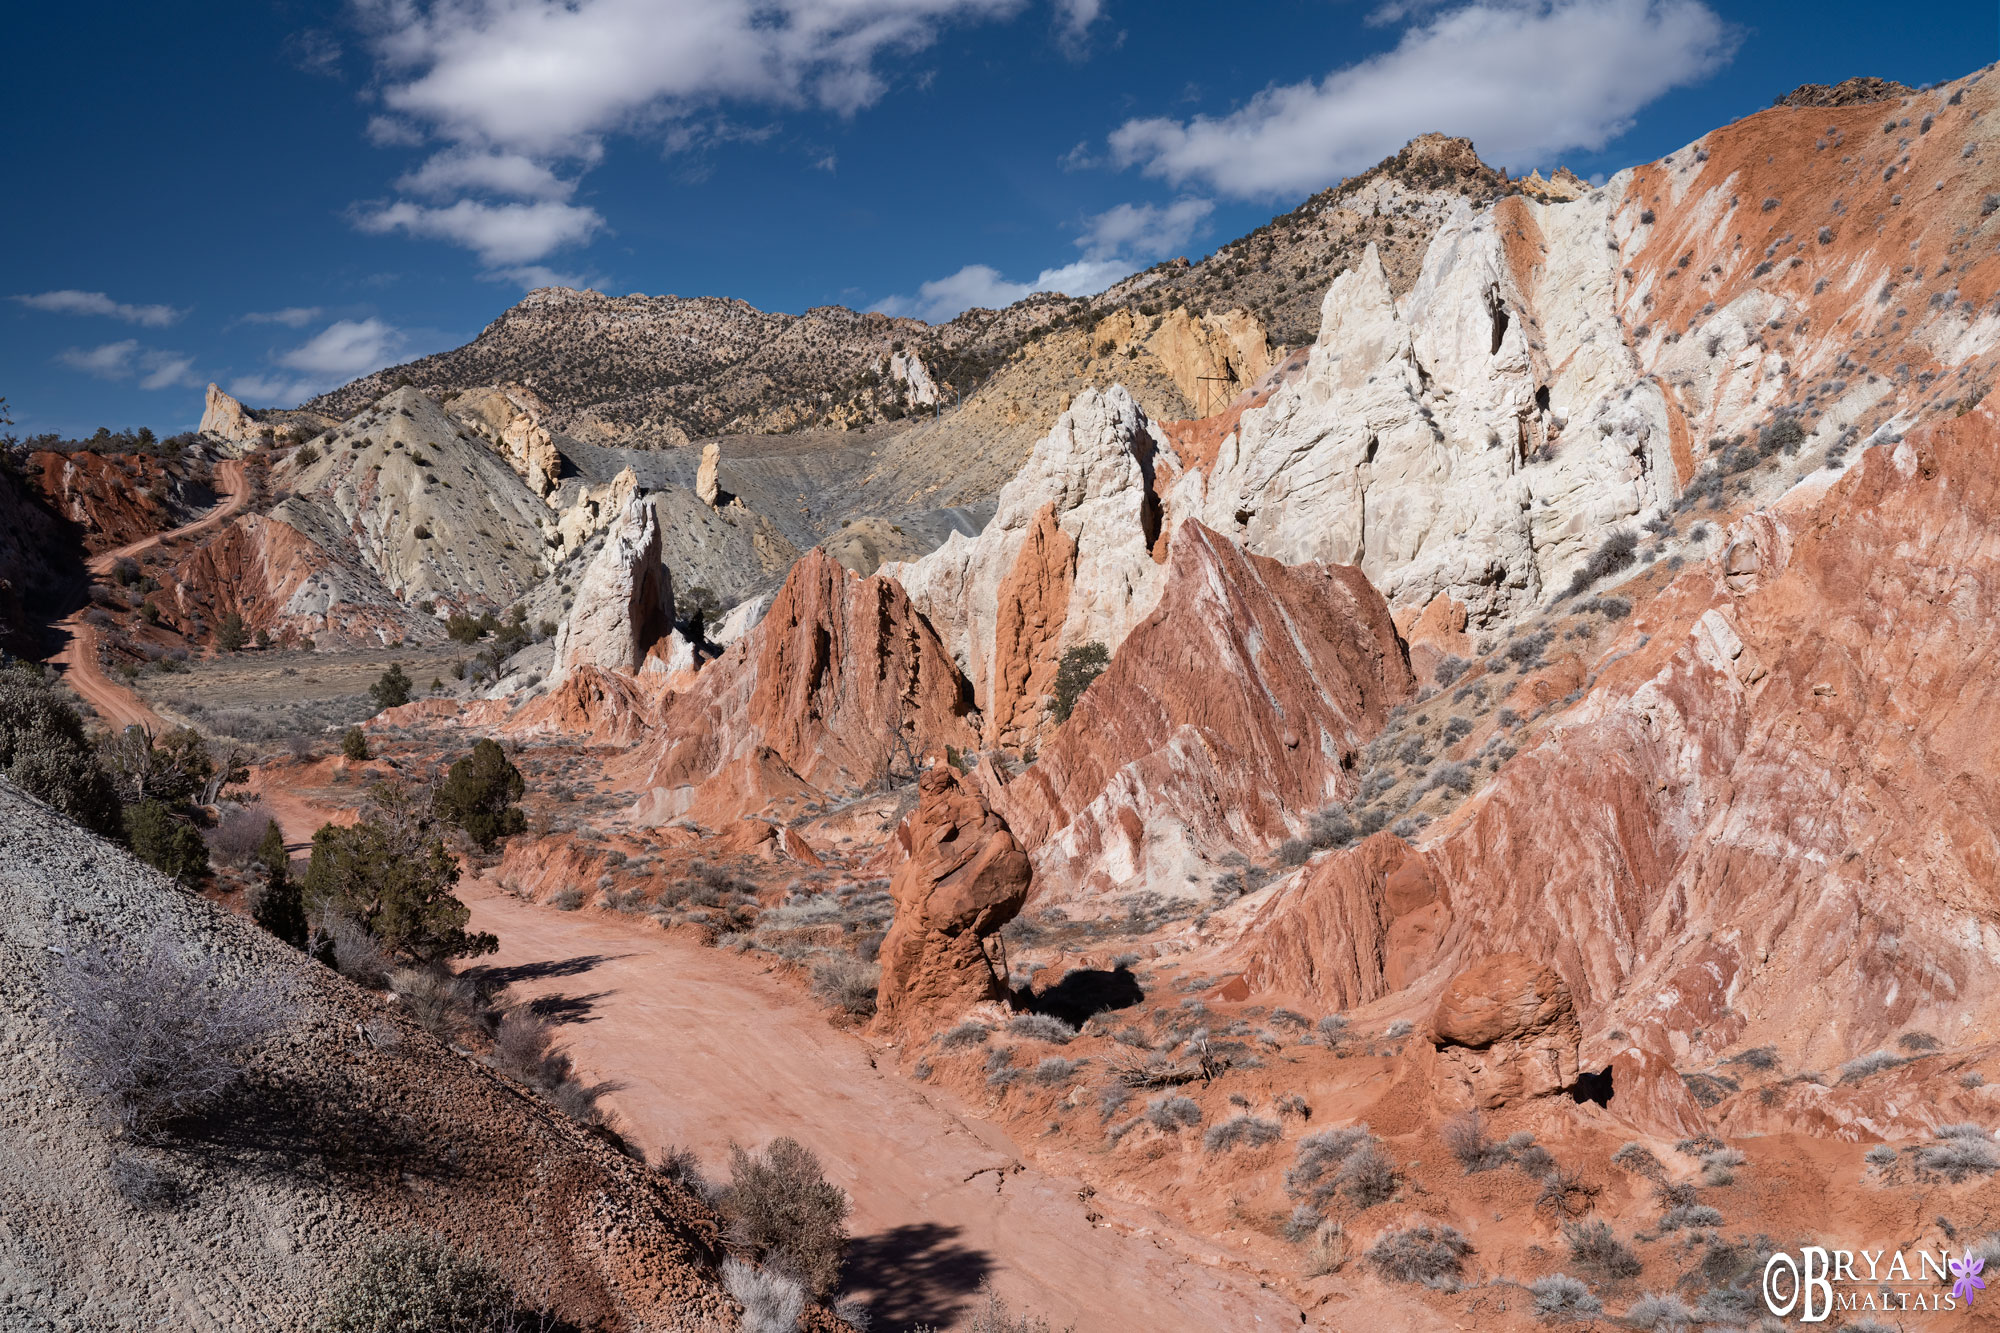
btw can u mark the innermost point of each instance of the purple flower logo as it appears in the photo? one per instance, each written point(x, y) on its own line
point(1966, 1270)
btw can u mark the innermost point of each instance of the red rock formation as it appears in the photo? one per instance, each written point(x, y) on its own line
point(115, 500)
point(840, 684)
point(1505, 1031)
point(1355, 928)
point(1033, 603)
point(1225, 717)
point(280, 580)
point(965, 878)
point(1775, 818)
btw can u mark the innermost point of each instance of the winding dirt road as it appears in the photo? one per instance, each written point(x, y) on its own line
point(709, 1050)
point(118, 706)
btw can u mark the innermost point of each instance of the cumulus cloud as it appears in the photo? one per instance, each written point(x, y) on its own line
point(345, 348)
point(548, 77)
point(982, 285)
point(1525, 79)
point(523, 93)
point(462, 171)
point(154, 367)
point(530, 276)
point(500, 234)
point(1147, 230)
point(72, 302)
point(292, 316)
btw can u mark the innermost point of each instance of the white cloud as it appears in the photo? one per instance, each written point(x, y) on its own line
point(155, 368)
point(1524, 79)
point(345, 349)
point(275, 390)
point(547, 77)
point(1145, 229)
point(292, 316)
point(982, 285)
point(1073, 21)
point(72, 302)
point(500, 234)
point(459, 171)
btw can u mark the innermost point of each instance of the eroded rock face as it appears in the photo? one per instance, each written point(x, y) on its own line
point(1224, 718)
point(625, 602)
point(226, 421)
point(965, 877)
point(1505, 1030)
point(840, 684)
point(1092, 477)
point(511, 417)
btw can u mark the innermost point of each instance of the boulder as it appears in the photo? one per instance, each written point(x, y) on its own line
point(1505, 1031)
point(965, 878)
point(625, 603)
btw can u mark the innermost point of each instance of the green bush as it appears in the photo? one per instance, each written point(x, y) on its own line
point(1079, 666)
point(421, 1284)
point(393, 689)
point(43, 752)
point(166, 841)
point(479, 795)
point(278, 905)
point(230, 635)
point(354, 744)
point(394, 880)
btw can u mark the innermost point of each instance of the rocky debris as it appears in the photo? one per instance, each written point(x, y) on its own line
point(624, 603)
point(863, 545)
point(706, 487)
point(1848, 92)
point(1505, 1030)
point(511, 418)
point(840, 687)
point(965, 877)
point(333, 1140)
point(1559, 188)
point(231, 426)
point(1234, 710)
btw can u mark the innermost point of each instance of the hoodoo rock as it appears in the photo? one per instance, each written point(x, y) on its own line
point(965, 878)
point(625, 603)
point(707, 484)
point(1505, 1030)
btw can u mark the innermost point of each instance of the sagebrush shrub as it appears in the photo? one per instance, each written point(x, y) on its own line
point(772, 1302)
point(1560, 1296)
point(1041, 1027)
point(407, 1283)
point(1597, 1247)
point(845, 981)
point(1243, 1131)
point(1433, 1256)
point(781, 1205)
point(1171, 1112)
point(155, 1034)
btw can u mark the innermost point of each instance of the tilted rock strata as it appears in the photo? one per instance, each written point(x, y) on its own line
point(1233, 710)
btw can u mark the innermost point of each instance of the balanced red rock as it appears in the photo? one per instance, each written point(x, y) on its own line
point(1505, 1030)
point(965, 878)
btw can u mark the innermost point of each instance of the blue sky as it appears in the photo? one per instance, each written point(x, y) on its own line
point(282, 194)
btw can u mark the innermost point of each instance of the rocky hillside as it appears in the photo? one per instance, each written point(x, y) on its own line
point(352, 1124)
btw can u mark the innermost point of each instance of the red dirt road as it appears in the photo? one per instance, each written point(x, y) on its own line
point(118, 706)
point(710, 1050)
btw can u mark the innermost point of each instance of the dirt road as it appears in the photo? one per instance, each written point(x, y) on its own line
point(118, 706)
point(710, 1050)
